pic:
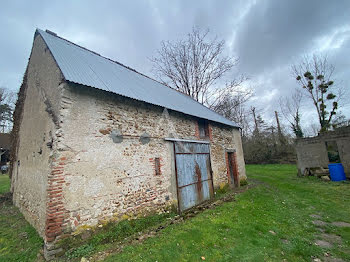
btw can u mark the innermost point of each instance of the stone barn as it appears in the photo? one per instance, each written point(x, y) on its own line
point(95, 139)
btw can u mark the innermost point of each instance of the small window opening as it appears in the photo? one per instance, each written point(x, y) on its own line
point(157, 166)
point(333, 153)
point(203, 128)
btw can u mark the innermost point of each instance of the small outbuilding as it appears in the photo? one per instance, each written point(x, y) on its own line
point(95, 139)
point(315, 153)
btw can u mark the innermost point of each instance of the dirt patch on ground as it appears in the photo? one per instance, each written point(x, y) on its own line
point(285, 241)
point(331, 238)
point(7, 197)
point(333, 259)
point(327, 240)
point(328, 258)
point(341, 224)
point(323, 243)
point(315, 216)
point(319, 223)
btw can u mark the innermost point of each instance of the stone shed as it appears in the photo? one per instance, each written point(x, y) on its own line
point(95, 139)
point(328, 147)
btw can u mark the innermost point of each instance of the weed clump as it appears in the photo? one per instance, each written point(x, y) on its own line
point(222, 190)
point(243, 182)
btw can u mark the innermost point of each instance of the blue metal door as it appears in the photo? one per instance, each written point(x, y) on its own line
point(194, 179)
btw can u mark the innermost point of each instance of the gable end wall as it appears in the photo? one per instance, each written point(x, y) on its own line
point(37, 135)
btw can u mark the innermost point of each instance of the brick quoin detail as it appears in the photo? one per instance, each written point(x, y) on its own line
point(227, 167)
point(157, 168)
point(234, 164)
point(55, 211)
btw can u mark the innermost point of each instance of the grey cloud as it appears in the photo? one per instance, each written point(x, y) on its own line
point(274, 32)
point(266, 35)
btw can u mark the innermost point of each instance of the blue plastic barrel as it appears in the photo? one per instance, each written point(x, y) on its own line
point(337, 172)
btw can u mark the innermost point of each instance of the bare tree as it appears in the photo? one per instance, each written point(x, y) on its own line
point(194, 65)
point(214, 97)
point(256, 126)
point(259, 124)
point(311, 130)
point(314, 76)
point(281, 137)
point(290, 108)
point(232, 105)
point(7, 104)
point(340, 121)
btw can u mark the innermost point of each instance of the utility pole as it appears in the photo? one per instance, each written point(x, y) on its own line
point(255, 120)
point(279, 130)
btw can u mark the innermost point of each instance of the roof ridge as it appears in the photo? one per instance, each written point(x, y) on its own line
point(114, 61)
point(54, 35)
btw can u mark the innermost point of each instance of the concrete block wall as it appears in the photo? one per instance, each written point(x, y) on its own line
point(312, 152)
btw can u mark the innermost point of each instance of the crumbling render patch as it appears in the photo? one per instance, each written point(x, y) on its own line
point(17, 119)
point(51, 112)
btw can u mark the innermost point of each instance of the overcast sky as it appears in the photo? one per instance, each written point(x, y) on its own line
point(267, 36)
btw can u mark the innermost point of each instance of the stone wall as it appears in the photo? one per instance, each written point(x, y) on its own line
point(225, 139)
point(107, 175)
point(312, 152)
point(36, 140)
point(81, 161)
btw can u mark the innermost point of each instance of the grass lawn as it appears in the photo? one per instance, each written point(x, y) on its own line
point(18, 240)
point(4, 184)
point(269, 222)
point(281, 217)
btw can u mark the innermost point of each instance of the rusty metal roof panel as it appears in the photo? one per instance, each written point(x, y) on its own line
point(85, 67)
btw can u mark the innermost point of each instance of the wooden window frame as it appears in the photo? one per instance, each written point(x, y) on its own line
point(204, 126)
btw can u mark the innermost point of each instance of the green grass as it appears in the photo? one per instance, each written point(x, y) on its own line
point(4, 184)
point(18, 240)
point(239, 231)
point(105, 237)
point(269, 222)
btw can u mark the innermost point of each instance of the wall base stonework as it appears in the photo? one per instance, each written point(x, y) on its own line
point(51, 251)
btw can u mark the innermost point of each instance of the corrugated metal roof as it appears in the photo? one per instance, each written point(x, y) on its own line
point(85, 67)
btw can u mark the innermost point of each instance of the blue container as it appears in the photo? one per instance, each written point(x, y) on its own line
point(337, 172)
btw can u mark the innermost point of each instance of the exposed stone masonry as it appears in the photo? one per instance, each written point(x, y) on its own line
point(91, 156)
